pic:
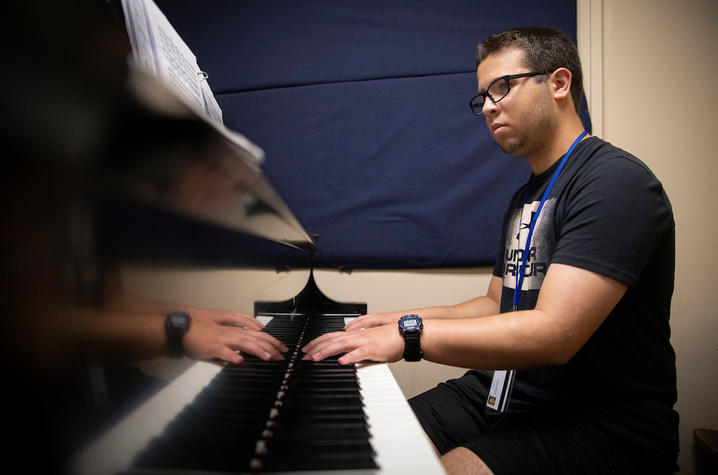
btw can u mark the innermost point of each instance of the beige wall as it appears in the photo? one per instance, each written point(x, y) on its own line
point(660, 66)
point(651, 68)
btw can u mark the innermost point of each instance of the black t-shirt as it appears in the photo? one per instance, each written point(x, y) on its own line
point(606, 213)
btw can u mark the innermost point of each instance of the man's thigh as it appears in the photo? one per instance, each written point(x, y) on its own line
point(529, 439)
point(549, 443)
point(453, 412)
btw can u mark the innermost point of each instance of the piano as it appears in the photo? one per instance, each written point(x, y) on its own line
point(290, 416)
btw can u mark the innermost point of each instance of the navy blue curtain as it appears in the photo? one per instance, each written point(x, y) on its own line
point(361, 109)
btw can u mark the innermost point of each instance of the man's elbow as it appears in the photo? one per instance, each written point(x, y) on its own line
point(559, 358)
point(560, 353)
point(558, 343)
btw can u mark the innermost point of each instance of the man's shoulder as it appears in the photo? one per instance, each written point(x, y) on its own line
point(601, 160)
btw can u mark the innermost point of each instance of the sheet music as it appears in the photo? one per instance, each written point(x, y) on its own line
point(211, 107)
point(139, 33)
point(158, 47)
point(175, 60)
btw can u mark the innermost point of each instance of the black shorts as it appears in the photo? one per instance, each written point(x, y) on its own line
point(532, 437)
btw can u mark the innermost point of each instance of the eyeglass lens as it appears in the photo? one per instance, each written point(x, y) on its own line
point(497, 90)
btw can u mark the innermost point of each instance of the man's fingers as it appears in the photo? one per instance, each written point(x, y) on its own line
point(227, 318)
point(239, 320)
point(352, 357)
point(258, 344)
point(228, 354)
point(274, 344)
point(278, 345)
point(339, 343)
point(310, 347)
point(355, 323)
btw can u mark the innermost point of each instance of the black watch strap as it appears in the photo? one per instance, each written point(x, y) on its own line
point(412, 346)
point(176, 325)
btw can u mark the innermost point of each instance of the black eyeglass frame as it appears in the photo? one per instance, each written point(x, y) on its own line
point(486, 94)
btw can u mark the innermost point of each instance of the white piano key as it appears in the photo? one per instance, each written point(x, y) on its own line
point(116, 449)
point(392, 425)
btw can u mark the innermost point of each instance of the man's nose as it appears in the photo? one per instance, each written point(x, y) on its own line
point(488, 107)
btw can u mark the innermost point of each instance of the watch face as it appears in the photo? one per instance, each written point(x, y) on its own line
point(179, 320)
point(410, 323)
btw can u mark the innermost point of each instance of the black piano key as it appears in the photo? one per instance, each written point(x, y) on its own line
point(317, 433)
point(321, 455)
point(303, 415)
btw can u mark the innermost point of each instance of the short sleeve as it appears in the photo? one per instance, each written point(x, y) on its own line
point(615, 216)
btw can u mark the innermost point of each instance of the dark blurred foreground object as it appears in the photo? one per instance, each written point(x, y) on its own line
point(64, 67)
point(101, 162)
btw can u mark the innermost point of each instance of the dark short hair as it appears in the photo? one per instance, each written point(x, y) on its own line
point(545, 49)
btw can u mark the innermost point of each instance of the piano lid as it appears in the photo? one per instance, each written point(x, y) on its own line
point(171, 158)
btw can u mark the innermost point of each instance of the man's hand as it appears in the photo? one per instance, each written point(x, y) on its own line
point(381, 343)
point(220, 334)
point(226, 317)
point(373, 320)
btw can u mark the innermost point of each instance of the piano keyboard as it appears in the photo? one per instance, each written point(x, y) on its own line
point(340, 434)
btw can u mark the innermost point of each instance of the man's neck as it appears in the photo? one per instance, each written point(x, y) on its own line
point(554, 148)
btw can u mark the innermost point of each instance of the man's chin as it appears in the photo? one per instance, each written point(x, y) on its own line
point(510, 148)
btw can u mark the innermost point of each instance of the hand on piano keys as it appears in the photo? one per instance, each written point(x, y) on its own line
point(316, 394)
point(221, 334)
point(213, 333)
point(382, 344)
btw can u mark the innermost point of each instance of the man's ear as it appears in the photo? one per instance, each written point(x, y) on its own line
point(561, 83)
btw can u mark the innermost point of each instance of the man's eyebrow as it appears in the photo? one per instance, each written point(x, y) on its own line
point(487, 87)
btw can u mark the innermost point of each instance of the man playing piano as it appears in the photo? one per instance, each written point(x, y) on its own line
point(578, 302)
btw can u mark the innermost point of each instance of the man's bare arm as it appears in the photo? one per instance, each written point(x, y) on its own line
point(488, 304)
point(572, 304)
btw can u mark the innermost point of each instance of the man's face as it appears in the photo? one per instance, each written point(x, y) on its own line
point(520, 122)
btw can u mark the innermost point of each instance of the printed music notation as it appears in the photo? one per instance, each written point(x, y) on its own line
point(158, 48)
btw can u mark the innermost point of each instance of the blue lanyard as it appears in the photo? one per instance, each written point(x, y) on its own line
point(522, 270)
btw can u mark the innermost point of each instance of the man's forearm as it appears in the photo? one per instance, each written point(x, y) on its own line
point(483, 306)
point(478, 307)
point(508, 341)
point(120, 336)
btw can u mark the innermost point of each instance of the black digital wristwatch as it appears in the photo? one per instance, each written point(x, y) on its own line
point(410, 327)
point(176, 325)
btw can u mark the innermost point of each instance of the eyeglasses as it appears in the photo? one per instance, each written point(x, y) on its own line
point(497, 90)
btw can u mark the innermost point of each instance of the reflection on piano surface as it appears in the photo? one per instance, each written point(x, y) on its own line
point(161, 184)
